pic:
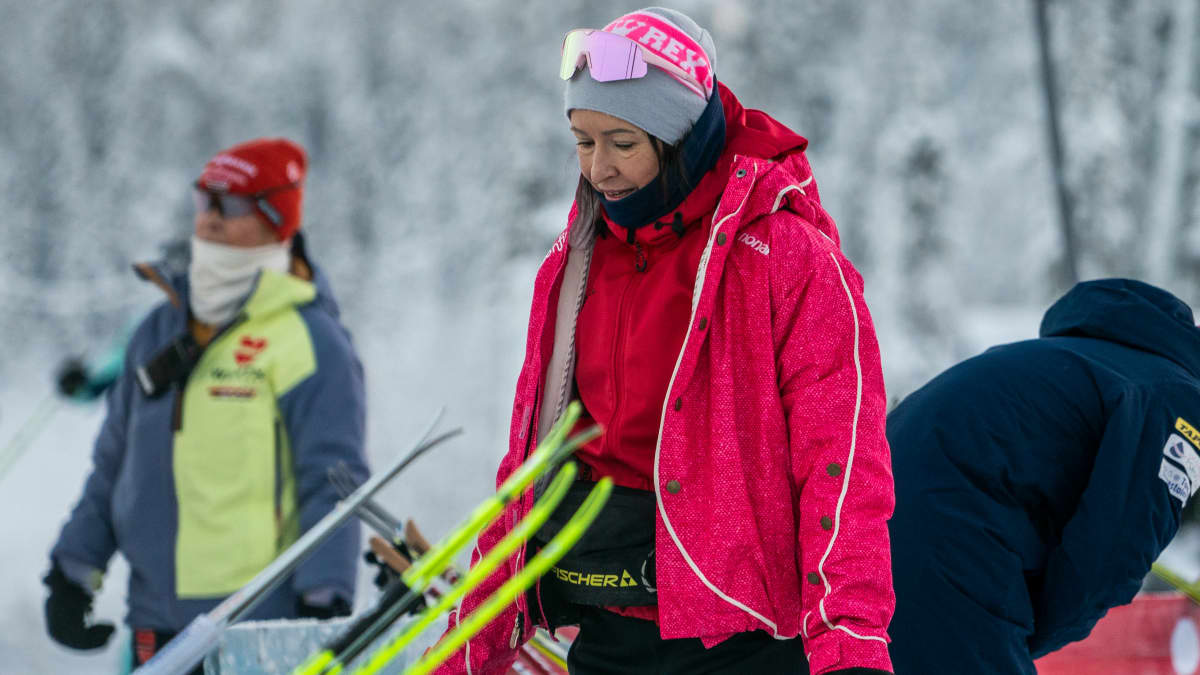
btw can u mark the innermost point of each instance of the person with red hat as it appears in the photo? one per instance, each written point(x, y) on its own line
point(238, 393)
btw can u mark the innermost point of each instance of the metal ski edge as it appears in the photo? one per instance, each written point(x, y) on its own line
point(202, 634)
point(550, 554)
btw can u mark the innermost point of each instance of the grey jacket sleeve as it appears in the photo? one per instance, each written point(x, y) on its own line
point(325, 420)
point(87, 539)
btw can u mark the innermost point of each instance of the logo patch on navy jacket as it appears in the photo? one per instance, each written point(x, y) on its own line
point(1189, 432)
point(1184, 454)
point(1177, 481)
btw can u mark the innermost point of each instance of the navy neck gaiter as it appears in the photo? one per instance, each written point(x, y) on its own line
point(699, 154)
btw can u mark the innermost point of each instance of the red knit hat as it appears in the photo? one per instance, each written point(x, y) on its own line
point(270, 169)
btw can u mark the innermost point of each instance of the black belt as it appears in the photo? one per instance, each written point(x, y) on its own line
point(612, 565)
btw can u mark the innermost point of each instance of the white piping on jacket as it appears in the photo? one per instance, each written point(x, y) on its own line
point(458, 620)
point(837, 516)
point(700, 274)
point(784, 191)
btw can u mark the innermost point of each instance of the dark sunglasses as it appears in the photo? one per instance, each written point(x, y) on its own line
point(232, 206)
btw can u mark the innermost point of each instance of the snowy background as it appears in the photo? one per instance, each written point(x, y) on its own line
point(442, 169)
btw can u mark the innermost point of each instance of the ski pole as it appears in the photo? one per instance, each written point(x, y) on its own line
point(551, 451)
point(419, 546)
point(28, 433)
point(94, 382)
point(204, 632)
point(540, 656)
point(562, 542)
point(499, 553)
point(543, 651)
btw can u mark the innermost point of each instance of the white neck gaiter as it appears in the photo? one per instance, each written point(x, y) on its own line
point(221, 276)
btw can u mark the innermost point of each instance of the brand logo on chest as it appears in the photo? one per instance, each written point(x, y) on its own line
point(754, 243)
point(248, 349)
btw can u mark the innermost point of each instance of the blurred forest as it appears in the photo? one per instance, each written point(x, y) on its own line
point(439, 154)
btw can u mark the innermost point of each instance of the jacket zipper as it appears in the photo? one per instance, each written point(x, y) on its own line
point(177, 413)
point(623, 317)
point(177, 409)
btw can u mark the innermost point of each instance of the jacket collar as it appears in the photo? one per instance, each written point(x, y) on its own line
point(748, 133)
point(272, 291)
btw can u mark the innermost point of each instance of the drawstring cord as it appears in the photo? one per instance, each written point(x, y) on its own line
point(640, 264)
point(676, 225)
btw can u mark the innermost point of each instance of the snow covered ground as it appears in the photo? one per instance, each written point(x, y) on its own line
point(33, 499)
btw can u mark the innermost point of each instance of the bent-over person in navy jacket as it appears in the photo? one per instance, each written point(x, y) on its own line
point(1037, 482)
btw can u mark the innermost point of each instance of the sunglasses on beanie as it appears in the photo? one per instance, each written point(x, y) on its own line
point(610, 57)
point(230, 205)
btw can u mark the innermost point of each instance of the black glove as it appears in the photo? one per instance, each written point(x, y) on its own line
point(72, 377)
point(387, 577)
point(67, 611)
point(338, 607)
point(385, 574)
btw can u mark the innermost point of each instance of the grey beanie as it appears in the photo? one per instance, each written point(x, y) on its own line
point(656, 103)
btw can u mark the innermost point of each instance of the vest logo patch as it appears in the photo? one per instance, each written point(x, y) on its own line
point(1177, 481)
point(232, 392)
point(1189, 432)
point(243, 374)
point(248, 349)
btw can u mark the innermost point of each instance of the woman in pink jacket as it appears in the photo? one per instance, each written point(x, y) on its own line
point(700, 307)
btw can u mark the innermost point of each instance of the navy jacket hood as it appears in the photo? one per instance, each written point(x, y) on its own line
point(1131, 313)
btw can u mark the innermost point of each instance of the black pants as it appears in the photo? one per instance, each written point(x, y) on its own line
point(610, 643)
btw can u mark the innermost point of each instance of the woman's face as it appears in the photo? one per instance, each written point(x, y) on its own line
point(246, 231)
point(614, 156)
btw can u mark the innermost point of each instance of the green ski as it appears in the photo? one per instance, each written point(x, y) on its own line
point(1188, 588)
point(551, 452)
point(562, 542)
